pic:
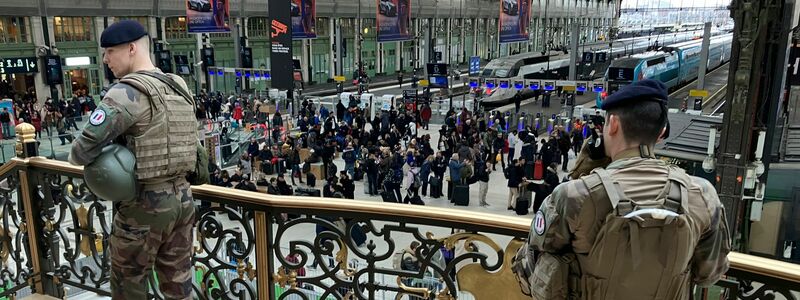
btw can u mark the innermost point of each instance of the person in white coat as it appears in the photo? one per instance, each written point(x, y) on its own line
point(512, 145)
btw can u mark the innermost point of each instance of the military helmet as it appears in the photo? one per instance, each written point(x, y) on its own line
point(111, 175)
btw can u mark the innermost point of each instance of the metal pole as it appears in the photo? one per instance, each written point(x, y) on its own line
point(701, 72)
point(338, 45)
point(573, 50)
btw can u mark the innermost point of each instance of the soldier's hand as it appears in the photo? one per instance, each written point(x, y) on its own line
point(584, 164)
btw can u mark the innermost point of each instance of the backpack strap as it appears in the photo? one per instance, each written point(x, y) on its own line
point(619, 201)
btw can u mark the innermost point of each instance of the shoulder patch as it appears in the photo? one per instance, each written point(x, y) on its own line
point(97, 117)
point(539, 223)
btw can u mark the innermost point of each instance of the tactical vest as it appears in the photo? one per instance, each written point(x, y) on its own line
point(643, 249)
point(167, 146)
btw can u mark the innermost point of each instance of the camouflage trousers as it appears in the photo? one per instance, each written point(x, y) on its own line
point(153, 231)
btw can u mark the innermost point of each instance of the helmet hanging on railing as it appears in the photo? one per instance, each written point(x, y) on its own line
point(111, 176)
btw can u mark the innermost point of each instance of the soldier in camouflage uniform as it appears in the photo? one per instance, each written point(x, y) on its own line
point(159, 127)
point(637, 228)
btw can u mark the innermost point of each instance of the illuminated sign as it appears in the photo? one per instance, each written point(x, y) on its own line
point(19, 65)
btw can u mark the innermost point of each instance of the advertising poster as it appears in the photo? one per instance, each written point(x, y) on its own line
point(394, 20)
point(304, 19)
point(515, 20)
point(282, 69)
point(204, 16)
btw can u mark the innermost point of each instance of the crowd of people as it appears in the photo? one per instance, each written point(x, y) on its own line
point(54, 117)
point(388, 152)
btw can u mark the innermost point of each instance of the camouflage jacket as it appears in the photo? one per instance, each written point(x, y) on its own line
point(570, 220)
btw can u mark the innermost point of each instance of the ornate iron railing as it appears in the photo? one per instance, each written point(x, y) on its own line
point(255, 246)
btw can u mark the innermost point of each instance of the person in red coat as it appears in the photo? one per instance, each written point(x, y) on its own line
point(36, 121)
point(237, 113)
point(425, 115)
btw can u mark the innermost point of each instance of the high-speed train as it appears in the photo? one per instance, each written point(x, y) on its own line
point(555, 65)
point(674, 65)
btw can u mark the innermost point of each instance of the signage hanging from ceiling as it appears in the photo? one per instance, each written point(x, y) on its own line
point(203, 16)
point(304, 19)
point(393, 20)
point(514, 20)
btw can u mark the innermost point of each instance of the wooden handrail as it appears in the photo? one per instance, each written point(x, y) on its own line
point(738, 261)
point(439, 214)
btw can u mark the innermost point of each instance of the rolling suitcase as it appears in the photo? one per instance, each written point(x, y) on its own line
point(436, 187)
point(461, 195)
point(416, 200)
point(538, 170)
point(311, 179)
point(280, 167)
point(388, 196)
point(523, 203)
point(308, 192)
point(266, 168)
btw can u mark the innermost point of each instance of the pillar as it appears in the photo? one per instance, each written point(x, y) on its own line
point(99, 26)
point(305, 50)
point(462, 50)
point(475, 37)
point(398, 57)
point(448, 40)
point(332, 47)
point(42, 89)
point(381, 66)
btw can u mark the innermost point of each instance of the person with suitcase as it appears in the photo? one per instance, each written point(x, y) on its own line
point(438, 168)
point(524, 199)
point(515, 177)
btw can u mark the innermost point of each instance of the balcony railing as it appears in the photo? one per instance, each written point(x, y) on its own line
point(54, 240)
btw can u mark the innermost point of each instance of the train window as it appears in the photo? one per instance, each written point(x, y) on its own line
point(620, 74)
point(487, 72)
point(656, 61)
point(501, 73)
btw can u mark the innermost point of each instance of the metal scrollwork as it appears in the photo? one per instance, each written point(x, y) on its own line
point(224, 253)
point(358, 277)
point(76, 228)
point(15, 267)
point(748, 291)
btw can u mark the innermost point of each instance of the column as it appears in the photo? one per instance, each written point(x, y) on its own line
point(99, 26)
point(381, 63)
point(475, 37)
point(357, 40)
point(448, 40)
point(398, 57)
point(332, 47)
point(42, 90)
point(305, 53)
point(462, 50)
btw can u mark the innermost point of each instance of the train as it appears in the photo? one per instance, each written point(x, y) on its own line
point(675, 65)
point(555, 64)
point(635, 31)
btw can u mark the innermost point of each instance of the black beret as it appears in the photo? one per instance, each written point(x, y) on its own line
point(122, 32)
point(643, 90)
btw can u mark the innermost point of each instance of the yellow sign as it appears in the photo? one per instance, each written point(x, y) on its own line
point(338, 78)
point(568, 88)
point(698, 93)
point(424, 82)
